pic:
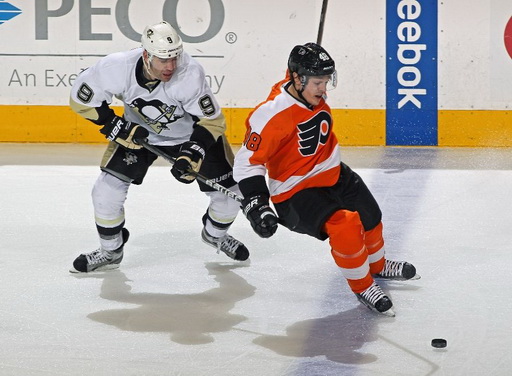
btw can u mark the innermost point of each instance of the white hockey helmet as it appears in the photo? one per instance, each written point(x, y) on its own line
point(161, 40)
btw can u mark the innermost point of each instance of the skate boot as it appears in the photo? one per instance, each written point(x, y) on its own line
point(235, 249)
point(375, 299)
point(99, 259)
point(397, 271)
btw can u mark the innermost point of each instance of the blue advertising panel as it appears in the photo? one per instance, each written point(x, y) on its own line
point(411, 72)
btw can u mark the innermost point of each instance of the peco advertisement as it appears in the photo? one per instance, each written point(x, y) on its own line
point(46, 43)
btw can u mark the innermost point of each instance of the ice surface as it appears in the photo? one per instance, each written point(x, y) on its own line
point(175, 307)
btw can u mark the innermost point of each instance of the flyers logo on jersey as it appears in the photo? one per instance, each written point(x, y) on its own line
point(314, 133)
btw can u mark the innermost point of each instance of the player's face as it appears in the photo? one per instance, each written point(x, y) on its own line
point(315, 89)
point(163, 69)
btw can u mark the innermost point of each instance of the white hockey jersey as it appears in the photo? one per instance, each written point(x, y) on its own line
point(167, 109)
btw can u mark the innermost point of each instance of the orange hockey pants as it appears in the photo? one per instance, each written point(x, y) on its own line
point(358, 253)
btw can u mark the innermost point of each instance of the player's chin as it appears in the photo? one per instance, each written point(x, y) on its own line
point(316, 100)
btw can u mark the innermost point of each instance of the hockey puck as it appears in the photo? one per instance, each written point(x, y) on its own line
point(439, 343)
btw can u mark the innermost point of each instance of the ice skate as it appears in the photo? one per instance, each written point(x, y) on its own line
point(235, 249)
point(375, 299)
point(397, 271)
point(99, 259)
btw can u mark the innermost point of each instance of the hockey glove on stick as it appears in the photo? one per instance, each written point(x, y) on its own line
point(261, 216)
point(124, 132)
point(188, 162)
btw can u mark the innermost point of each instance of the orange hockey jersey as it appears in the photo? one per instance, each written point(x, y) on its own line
point(293, 143)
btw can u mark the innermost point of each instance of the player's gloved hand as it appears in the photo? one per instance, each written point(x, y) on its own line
point(261, 216)
point(124, 132)
point(189, 160)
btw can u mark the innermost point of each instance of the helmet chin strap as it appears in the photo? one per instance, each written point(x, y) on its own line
point(147, 66)
point(303, 82)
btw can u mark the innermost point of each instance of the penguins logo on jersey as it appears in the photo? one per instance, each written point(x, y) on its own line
point(314, 132)
point(155, 113)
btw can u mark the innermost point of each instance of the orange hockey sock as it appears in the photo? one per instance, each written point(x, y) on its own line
point(346, 237)
point(375, 245)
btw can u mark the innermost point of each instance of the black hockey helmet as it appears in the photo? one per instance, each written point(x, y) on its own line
point(310, 59)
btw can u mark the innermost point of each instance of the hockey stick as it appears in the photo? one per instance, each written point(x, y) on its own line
point(322, 22)
point(199, 177)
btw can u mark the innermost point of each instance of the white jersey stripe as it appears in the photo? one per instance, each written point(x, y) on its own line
point(277, 187)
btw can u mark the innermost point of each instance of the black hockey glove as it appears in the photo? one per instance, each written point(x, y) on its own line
point(260, 214)
point(189, 160)
point(124, 132)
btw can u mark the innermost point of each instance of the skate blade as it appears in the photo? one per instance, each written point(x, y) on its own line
point(388, 313)
point(100, 269)
point(381, 278)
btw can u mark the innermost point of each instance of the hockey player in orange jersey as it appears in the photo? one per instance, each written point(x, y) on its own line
point(290, 138)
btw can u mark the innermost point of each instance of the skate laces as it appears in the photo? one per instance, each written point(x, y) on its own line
point(98, 256)
point(372, 294)
point(393, 268)
point(228, 244)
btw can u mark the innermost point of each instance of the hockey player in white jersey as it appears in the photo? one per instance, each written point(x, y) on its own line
point(168, 102)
